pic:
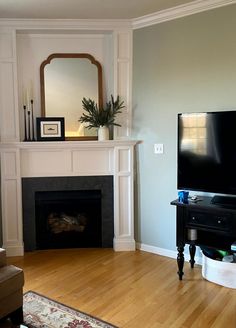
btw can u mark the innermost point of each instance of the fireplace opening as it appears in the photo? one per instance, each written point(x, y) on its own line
point(67, 219)
point(66, 212)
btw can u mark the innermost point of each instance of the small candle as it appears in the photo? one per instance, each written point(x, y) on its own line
point(31, 90)
point(27, 99)
point(24, 96)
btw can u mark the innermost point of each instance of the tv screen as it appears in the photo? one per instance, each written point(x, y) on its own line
point(207, 152)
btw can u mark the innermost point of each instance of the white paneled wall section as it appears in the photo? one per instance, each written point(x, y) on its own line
point(24, 44)
point(9, 123)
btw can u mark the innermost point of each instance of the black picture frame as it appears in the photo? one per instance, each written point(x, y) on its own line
point(50, 128)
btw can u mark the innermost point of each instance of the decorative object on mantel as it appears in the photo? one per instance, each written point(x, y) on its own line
point(80, 75)
point(32, 116)
point(50, 128)
point(28, 106)
point(29, 122)
point(103, 133)
point(25, 124)
point(101, 118)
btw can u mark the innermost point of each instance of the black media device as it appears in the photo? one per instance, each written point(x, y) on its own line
point(207, 153)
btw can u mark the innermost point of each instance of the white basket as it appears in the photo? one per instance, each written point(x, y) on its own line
point(221, 273)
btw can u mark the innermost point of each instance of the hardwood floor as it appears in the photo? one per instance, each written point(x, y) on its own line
point(129, 289)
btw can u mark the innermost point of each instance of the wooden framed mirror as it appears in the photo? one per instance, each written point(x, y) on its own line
point(65, 78)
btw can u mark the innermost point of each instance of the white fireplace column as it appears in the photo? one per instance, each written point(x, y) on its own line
point(11, 202)
point(123, 199)
point(83, 158)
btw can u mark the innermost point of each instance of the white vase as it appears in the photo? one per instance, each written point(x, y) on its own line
point(103, 133)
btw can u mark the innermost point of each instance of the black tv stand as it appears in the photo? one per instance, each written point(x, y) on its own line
point(213, 226)
point(224, 201)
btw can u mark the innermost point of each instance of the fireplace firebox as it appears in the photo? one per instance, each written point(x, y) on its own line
point(67, 212)
point(68, 219)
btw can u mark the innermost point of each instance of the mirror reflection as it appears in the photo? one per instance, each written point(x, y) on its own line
point(65, 80)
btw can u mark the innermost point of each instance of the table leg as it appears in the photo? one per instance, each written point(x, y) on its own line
point(192, 251)
point(180, 261)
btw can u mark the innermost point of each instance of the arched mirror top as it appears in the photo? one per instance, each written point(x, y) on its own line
point(65, 78)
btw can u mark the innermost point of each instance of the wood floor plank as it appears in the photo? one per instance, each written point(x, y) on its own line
point(129, 289)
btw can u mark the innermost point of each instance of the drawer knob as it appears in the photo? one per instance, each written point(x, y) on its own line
point(193, 218)
point(219, 221)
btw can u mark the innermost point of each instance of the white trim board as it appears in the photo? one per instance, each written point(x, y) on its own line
point(26, 24)
point(166, 252)
point(191, 8)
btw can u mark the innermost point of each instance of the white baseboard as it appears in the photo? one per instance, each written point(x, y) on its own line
point(123, 245)
point(166, 252)
point(14, 250)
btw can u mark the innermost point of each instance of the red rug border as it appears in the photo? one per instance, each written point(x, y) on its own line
point(89, 315)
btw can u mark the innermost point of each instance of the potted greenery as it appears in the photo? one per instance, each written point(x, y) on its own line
point(101, 118)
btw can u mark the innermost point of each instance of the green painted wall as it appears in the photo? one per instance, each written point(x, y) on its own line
point(184, 65)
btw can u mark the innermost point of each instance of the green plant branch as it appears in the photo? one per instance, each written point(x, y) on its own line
point(96, 117)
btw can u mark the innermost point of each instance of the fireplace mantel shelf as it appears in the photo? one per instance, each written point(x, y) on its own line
point(67, 159)
point(67, 144)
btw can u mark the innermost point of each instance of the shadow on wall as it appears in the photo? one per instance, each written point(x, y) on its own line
point(1, 241)
point(137, 223)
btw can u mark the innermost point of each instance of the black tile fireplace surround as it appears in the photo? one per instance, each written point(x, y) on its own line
point(32, 186)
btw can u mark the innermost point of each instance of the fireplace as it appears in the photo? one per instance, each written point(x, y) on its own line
point(31, 167)
point(67, 212)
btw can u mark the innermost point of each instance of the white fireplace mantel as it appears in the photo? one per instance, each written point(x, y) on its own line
point(67, 158)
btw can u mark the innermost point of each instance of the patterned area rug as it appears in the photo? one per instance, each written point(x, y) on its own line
point(42, 312)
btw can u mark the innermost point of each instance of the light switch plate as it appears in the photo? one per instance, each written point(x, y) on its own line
point(158, 148)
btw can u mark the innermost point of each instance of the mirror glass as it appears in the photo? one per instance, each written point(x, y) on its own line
point(65, 80)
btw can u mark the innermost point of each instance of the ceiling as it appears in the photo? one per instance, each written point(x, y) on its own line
point(84, 9)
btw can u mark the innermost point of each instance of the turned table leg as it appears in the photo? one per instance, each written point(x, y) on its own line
point(192, 251)
point(180, 261)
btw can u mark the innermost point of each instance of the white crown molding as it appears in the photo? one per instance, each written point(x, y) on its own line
point(66, 24)
point(112, 24)
point(191, 8)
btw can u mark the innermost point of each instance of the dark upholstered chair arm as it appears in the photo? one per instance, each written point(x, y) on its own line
point(3, 260)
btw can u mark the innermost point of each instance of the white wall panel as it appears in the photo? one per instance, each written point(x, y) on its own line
point(123, 80)
point(7, 102)
point(124, 160)
point(45, 163)
point(6, 46)
point(9, 164)
point(92, 161)
point(124, 207)
point(124, 47)
point(10, 211)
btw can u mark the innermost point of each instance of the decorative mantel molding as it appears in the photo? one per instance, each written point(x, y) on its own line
point(67, 158)
point(187, 9)
point(66, 144)
point(22, 24)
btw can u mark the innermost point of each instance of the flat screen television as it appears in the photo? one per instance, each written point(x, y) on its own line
point(207, 152)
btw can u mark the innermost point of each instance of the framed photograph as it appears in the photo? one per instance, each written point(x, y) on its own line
point(50, 128)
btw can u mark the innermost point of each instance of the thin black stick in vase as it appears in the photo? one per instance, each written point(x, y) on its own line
point(32, 113)
point(29, 127)
point(25, 123)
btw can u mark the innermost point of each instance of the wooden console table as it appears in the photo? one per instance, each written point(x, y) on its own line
point(214, 226)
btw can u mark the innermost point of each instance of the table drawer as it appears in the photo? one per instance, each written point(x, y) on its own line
point(209, 220)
